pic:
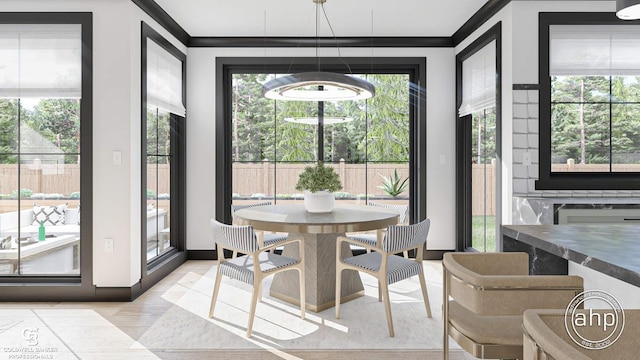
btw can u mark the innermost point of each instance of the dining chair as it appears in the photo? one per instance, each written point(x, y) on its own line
point(253, 267)
point(372, 239)
point(485, 296)
point(387, 267)
point(266, 239)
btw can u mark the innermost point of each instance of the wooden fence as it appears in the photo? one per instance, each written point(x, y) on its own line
point(263, 178)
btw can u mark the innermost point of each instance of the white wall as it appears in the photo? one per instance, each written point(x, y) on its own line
point(116, 126)
point(440, 135)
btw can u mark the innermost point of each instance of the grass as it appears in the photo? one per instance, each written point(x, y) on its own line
point(478, 233)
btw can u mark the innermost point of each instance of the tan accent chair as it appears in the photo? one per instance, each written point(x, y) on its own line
point(387, 267)
point(485, 295)
point(545, 337)
point(255, 266)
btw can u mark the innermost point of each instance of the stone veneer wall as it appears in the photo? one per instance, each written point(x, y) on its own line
point(528, 207)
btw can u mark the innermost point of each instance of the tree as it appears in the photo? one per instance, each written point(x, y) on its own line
point(8, 131)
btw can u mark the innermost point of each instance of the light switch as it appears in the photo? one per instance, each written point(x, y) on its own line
point(526, 158)
point(117, 158)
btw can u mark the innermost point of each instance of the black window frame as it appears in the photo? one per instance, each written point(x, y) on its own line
point(464, 143)
point(61, 287)
point(161, 265)
point(547, 179)
point(414, 66)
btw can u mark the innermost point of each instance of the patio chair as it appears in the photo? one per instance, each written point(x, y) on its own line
point(372, 239)
point(485, 295)
point(387, 267)
point(267, 239)
point(253, 267)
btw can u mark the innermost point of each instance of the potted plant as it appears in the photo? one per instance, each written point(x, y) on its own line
point(318, 183)
point(393, 185)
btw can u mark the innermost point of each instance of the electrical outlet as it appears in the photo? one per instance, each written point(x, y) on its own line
point(526, 158)
point(108, 245)
point(117, 157)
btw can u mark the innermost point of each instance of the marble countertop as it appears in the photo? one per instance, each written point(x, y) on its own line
point(613, 249)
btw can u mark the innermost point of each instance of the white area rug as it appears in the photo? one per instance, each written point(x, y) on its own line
point(278, 325)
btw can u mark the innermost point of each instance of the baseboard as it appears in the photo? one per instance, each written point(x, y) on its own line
point(435, 254)
point(202, 255)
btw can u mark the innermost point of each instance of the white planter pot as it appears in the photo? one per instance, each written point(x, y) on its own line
point(319, 202)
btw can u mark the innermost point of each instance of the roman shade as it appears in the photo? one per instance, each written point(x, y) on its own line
point(164, 79)
point(40, 61)
point(479, 80)
point(594, 50)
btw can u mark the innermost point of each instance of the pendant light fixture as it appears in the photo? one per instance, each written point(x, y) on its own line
point(628, 9)
point(318, 85)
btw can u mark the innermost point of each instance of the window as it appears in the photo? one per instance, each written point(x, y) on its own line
point(163, 147)
point(478, 139)
point(366, 141)
point(589, 102)
point(45, 146)
point(265, 144)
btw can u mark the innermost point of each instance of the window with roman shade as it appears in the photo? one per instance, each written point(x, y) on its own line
point(479, 80)
point(163, 148)
point(164, 79)
point(589, 78)
point(45, 97)
point(40, 60)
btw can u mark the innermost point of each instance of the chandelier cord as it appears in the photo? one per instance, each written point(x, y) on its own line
point(335, 38)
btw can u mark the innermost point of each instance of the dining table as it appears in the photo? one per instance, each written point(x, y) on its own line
point(319, 232)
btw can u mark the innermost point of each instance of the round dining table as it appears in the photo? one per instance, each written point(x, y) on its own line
point(319, 231)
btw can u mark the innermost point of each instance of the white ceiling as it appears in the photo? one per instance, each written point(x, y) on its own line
point(297, 17)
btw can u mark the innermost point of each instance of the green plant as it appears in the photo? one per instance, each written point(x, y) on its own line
point(393, 185)
point(24, 193)
point(151, 193)
point(318, 178)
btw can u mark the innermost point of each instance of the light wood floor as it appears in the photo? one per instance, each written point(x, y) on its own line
point(131, 330)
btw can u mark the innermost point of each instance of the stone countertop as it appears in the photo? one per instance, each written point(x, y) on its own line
point(612, 249)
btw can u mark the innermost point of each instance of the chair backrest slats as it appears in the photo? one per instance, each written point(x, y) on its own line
point(234, 237)
point(402, 237)
point(235, 208)
point(403, 210)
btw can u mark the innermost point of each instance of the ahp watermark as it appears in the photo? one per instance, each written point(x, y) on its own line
point(594, 328)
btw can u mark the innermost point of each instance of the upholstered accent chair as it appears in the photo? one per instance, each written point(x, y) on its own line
point(387, 267)
point(255, 266)
point(545, 335)
point(485, 295)
point(372, 239)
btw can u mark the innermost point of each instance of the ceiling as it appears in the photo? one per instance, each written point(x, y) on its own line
point(297, 17)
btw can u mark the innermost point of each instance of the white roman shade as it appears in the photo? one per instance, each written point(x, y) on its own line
point(40, 60)
point(594, 50)
point(164, 79)
point(479, 80)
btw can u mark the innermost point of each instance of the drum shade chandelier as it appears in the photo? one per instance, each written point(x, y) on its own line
point(318, 85)
point(628, 9)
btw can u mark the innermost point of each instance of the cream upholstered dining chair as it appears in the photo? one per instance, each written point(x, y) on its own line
point(372, 239)
point(485, 295)
point(253, 267)
point(387, 267)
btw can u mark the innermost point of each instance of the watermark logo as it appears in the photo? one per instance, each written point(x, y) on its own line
point(594, 328)
point(30, 335)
